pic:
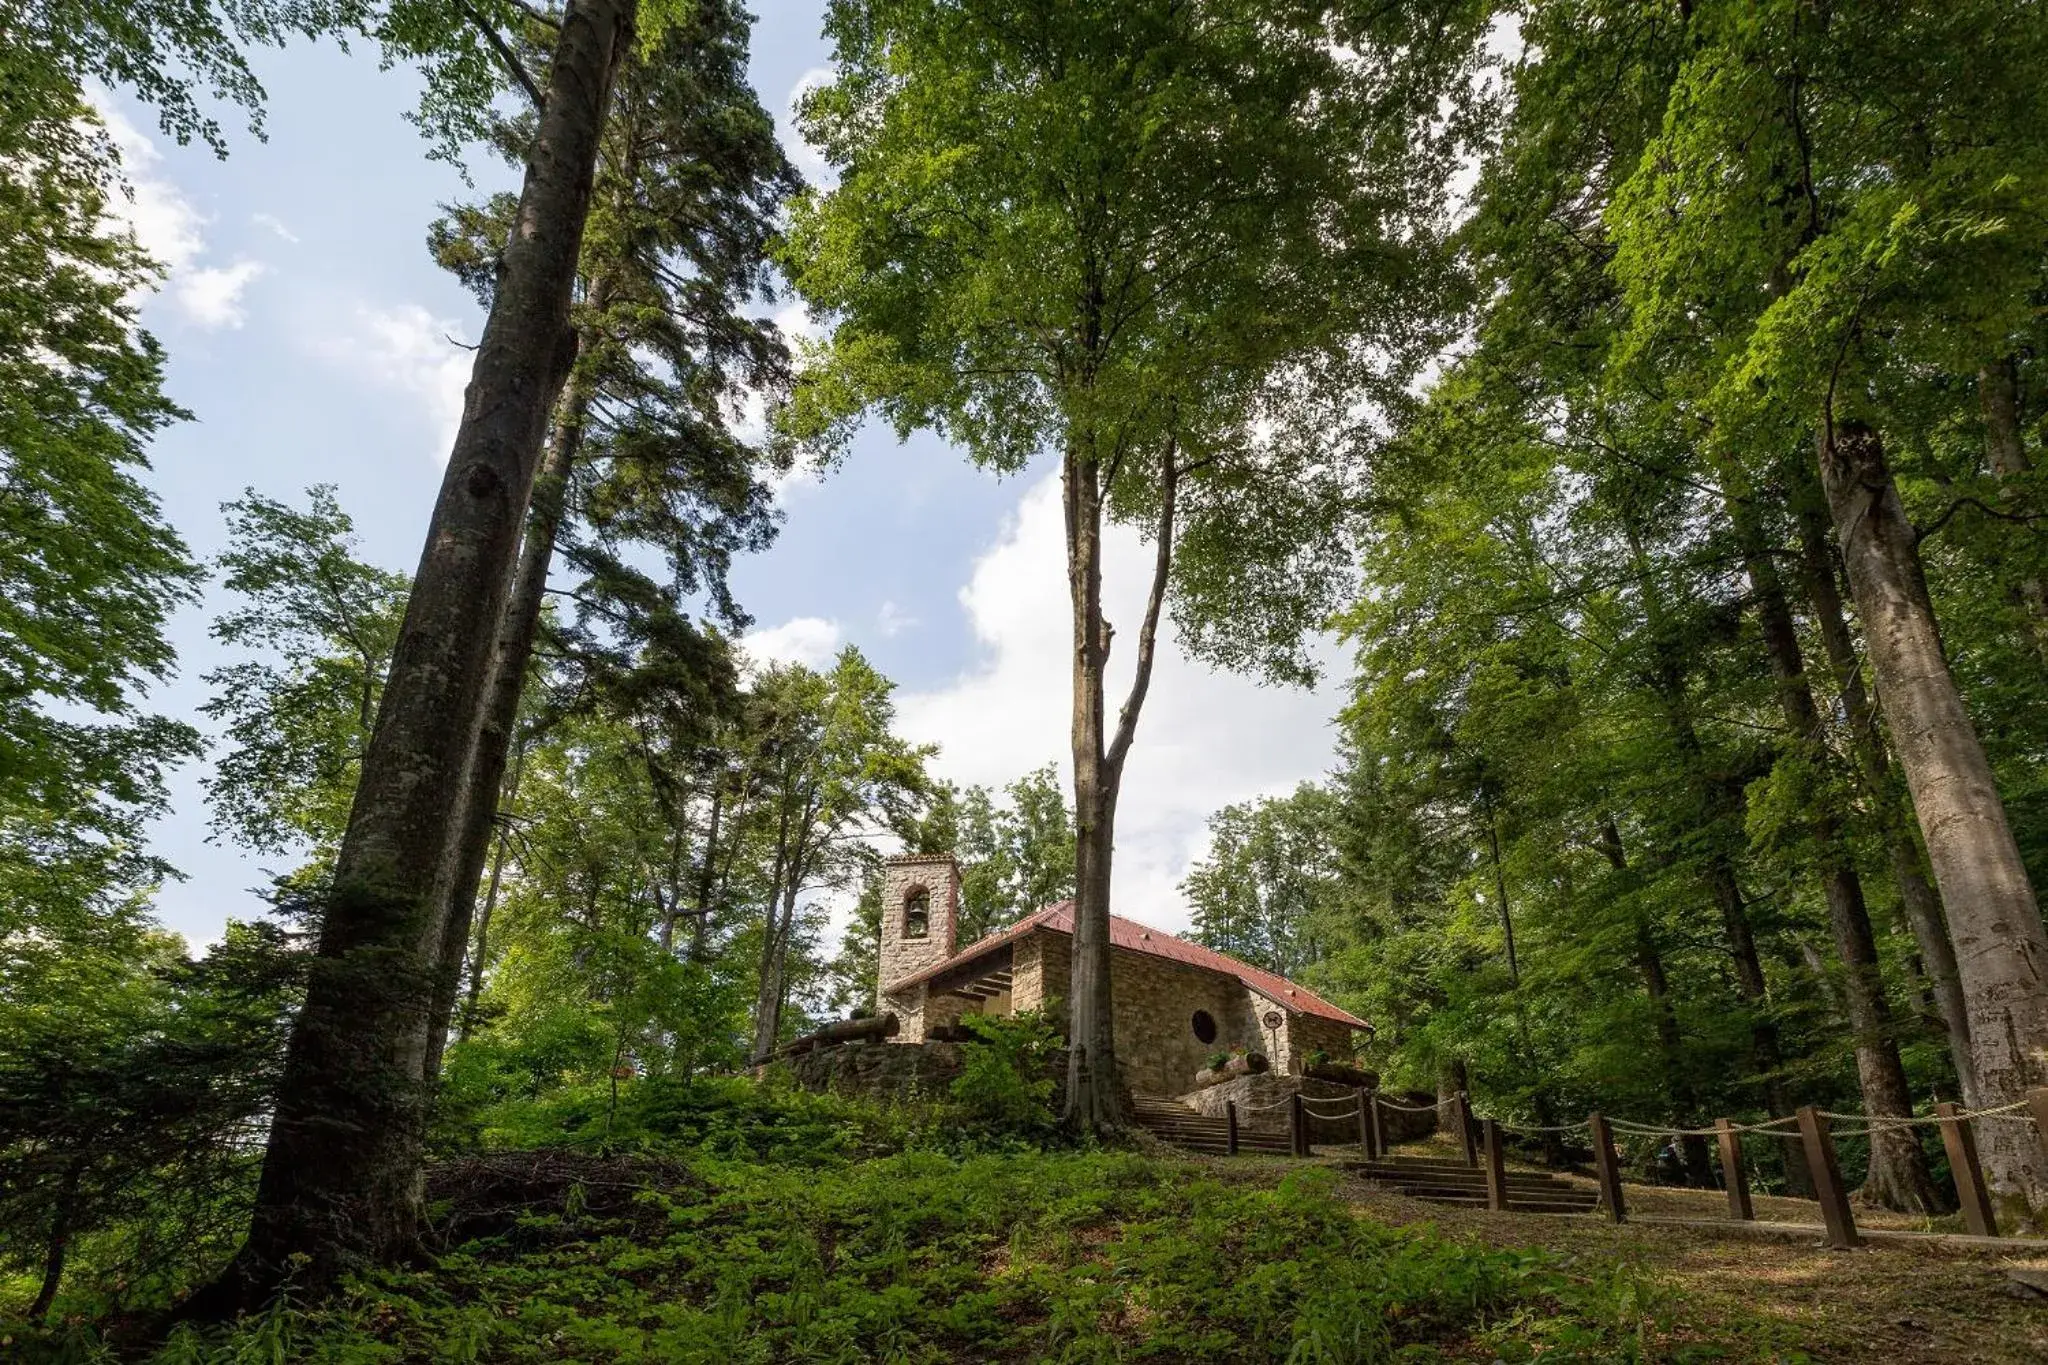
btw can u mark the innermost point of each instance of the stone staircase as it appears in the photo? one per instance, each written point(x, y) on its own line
point(1173, 1122)
point(1447, 1182)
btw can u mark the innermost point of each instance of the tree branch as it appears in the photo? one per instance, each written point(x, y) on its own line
point(1934, 527)
point(1148, 633)
point(506, 56)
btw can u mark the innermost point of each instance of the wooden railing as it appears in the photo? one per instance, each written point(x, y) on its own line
point(1811, 1128)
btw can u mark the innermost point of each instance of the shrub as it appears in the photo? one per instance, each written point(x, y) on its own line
point(1003, 1083)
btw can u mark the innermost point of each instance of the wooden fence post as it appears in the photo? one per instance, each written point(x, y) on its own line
point(1961, 1145)
point(1608, 1169)
point(1496, 1168)
point(1230, 1125)
point(1461, 1114)
point(1298, 1124)
point(1827, 1178)
point(1732, 1173)
point(1365, 1124)
point(1378, 1129)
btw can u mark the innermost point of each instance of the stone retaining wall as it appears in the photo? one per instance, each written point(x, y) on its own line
point(898, 1073)
point(895, 1072)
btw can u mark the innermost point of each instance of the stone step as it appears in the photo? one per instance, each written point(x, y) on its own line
point(1456, 1176)
point(1451, 1173)
point(1427, 1189)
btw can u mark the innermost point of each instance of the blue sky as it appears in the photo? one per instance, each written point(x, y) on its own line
point(314, 342)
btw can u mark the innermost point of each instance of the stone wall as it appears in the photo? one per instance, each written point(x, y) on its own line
point(1308, 1032)
point(938, 877)
point(894, 1071)
point(1027, 973)
point(1154, 1000)
point(898, 1073)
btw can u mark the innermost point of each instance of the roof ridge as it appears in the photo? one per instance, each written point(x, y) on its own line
point(1200, 956)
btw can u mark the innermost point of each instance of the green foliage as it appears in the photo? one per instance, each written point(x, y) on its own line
point(166, 51)
point(1016, 857)
point(1269, 880)
point(670, 344)
point(922, 1257)
point(89, 570)
point(1158, 239)
point(1005, 1084)
point(130, 1079)
point(320, 626)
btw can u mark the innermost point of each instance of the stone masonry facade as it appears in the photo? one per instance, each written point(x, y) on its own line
point(1161, 1005)
point(904, 952)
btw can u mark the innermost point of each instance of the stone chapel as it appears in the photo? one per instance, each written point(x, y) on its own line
point(1174, 1002)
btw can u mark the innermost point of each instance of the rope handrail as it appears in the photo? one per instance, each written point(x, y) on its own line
point(2003, 1111)
point(1666, 1130)
point(1386, 1103)
point(1553, 1128)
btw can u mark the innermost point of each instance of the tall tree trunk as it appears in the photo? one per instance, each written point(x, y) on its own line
point(1094, 1088)
point(782, 880)
point(483, 790)
point(2001, 946)
point(1919, 902)
point(1718, 798)
point(1539, 1097)
point(1094, 1084)
point(1670, 1042)
point(1899, 1177)
point(341, 1180)
point(57, 1248)
point(774, 976)
point(480, 946)
point(1998, 393)
point(707, 877)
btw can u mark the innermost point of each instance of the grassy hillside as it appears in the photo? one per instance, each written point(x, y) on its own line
point(735, 1222)
point(729, 1221)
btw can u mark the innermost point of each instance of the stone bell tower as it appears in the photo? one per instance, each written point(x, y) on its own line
point(920, 915)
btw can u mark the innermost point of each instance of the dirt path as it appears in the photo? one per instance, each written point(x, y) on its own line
point(1884, 1303)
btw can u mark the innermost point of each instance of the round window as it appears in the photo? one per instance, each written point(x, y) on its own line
point(1205, 1026)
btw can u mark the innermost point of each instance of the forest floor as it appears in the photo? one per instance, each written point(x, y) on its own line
point(1891, 1301)
point(746, 1225)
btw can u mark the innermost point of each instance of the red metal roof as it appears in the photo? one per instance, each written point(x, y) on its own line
point(1138, 938)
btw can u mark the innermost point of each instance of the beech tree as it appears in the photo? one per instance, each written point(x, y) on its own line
point(340, 1180)
point(641, 449)
point(1171, 244)
point(1264, 888)
point(320, 624)
point(828, 776)
point(1828, 159)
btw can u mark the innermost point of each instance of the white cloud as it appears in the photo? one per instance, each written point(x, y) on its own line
point(1205, 739)
point(275, 224)
point(815, 168)
point(410, 351)
point(212, 295)
point(171, 229)
point(807, 640)
point(893, 620)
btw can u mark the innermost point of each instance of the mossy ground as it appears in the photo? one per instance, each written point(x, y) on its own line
point(735, 1225)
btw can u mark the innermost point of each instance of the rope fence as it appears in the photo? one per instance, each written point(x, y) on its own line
point(1815, 1130)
